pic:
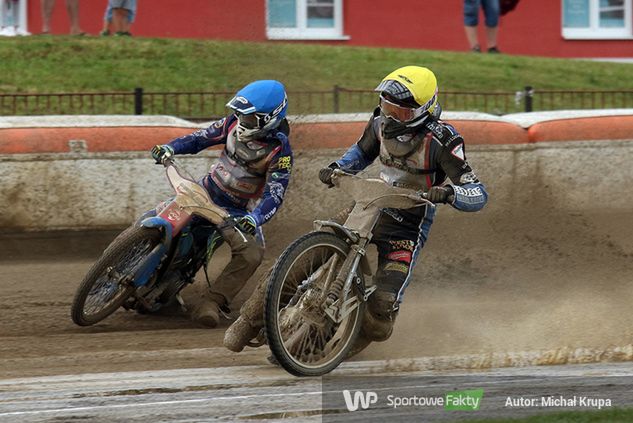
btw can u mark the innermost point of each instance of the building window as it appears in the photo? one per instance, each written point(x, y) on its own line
point(597, 19)
point(305, 20)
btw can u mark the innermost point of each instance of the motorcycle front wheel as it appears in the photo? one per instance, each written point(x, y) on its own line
point(301, 337)
point(108, 283)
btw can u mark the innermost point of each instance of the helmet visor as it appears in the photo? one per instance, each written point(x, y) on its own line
point(397, 112)
point(249, 121)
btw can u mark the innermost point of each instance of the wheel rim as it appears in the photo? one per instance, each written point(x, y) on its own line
point(113, 282)
point(307, 335)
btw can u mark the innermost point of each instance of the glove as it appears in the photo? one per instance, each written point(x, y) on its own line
point(246, 224)
point(325, 174)
point(439, 194)
point(160, 153)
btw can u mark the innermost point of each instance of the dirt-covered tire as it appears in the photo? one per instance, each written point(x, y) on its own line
point(127, 249)
point(291, 261)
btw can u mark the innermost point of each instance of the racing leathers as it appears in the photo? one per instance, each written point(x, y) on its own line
point(419, 161)
point(249, 179)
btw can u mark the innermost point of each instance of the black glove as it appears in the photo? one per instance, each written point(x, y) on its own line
point(325, 174)
point(160, 153)
point(246, 224)
point(439, 194)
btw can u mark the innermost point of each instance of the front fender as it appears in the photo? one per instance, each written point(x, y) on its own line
point(148, 266)
point(346, 234)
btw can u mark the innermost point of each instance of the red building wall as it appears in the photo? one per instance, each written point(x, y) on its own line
point(533, 28)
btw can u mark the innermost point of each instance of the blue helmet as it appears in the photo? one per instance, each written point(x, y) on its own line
point(260, 107)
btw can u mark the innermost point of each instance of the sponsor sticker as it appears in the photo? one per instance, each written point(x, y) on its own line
point(397, 267)
point(468, 192)
point(404, 244)
point(468, 178)
point(403, 256)
point(276, 191)
point(219, 124)
point(458, 152)
point(285, 162)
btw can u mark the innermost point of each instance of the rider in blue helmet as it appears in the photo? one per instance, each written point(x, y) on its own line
point(249, 179)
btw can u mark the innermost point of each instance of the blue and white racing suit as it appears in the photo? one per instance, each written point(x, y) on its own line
point(248, 178)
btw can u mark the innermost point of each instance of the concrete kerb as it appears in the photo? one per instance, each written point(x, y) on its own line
point(110, 189)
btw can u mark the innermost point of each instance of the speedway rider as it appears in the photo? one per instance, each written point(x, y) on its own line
point(249, 180)
point(418, 151)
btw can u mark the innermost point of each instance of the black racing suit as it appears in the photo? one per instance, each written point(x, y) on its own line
point(438, 153)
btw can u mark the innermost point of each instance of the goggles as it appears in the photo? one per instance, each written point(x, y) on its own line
point(404, 114)
point(397, 112)
point(251, 120)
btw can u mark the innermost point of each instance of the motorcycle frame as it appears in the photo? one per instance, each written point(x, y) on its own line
point(191, 199)
point(358, 241)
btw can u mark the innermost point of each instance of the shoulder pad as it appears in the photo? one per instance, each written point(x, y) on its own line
point(445, 133)
point(281, 139)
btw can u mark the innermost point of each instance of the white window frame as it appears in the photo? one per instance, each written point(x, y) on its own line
point(594, 31)
point(302, 32)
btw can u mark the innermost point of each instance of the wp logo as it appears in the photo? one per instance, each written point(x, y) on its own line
point(364, 400)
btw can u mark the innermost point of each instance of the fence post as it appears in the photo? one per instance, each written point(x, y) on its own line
point(138, 101)
point(336, 98)
point(529, 94)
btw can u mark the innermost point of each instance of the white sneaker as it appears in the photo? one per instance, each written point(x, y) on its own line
point(8, 32)
point(21, 32)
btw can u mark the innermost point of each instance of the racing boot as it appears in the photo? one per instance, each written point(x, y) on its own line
point(208, 312)
point(380, 316)
point(239, 334)
point(251, 319)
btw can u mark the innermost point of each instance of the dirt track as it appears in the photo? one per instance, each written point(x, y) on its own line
point(486, 283)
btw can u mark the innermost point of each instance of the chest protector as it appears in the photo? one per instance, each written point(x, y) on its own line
point(403, 164)
point(242, 167)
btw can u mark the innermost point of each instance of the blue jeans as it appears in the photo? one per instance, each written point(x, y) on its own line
point(491, 12)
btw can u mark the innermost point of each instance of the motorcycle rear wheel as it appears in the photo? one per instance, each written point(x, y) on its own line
point(106, 286)
point(303, 340)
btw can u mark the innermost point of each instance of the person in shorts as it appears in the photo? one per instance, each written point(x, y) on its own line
point(491, 10)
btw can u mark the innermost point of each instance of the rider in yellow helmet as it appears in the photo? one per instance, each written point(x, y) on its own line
point(416, 150)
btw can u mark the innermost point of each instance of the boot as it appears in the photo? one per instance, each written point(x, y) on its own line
point(207, 313)
point(239, 334)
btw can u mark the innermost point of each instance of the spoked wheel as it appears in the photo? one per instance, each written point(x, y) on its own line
point(108, 282)
point(303, 339)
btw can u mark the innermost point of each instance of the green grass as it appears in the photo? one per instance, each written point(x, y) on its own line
point(54, 64)
point(44, 64)
point(615, 415)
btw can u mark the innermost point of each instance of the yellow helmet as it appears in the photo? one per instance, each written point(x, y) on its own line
point(408, 96)
point(412, 86)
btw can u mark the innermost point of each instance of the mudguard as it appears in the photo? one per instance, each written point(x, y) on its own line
point(146, 269)
point(345, 234)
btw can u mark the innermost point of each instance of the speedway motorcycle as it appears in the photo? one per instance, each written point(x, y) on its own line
point(316, 294)
point(147, 265)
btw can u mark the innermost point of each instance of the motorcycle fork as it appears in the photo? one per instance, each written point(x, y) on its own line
point(339, 308)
